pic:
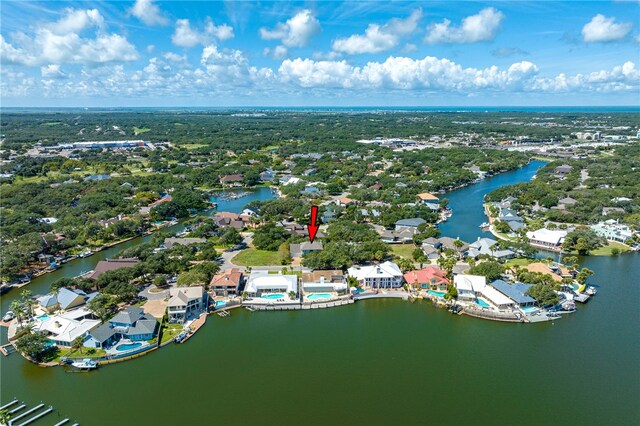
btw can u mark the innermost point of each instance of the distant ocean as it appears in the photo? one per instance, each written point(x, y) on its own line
point(355, 109)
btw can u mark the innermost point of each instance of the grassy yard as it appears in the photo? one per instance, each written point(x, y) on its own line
point(68, 352)
point(255, 257)
point(171, 331)
point(403, 250)
point(140, 130)
point(606, 250)
point(519, 262)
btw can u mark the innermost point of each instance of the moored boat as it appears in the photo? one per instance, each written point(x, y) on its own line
point(85, 364)
point(591, 290)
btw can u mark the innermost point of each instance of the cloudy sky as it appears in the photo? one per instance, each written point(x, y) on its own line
point(382, 53)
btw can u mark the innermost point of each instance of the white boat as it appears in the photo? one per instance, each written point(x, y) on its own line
point(484, 225)
point(591, 290)
point(8, 316)
point(85, 364)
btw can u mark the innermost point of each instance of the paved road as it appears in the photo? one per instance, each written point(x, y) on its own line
point(228, 255)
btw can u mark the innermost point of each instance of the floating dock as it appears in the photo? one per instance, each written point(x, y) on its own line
point(24, 418)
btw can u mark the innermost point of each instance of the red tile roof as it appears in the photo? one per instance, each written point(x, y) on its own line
point(428, 275)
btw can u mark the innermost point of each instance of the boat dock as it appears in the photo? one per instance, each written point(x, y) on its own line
point(19, 417)
point(7, 349)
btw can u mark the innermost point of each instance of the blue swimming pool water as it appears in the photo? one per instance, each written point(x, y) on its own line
point(43, 317)
point(436, 293)
point(317, 296)
point(359, 290)
point(482, 303)
point(529, 309)
point(220, 304)
point(273, 296)
point(128, 346)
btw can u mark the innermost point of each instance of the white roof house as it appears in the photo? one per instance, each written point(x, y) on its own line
point(547, 237)
point(495, 297)
point(384, 275)
point(263, 282)
point(469, 286)
point(63, 329)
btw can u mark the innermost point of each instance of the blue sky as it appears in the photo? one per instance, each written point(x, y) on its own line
point(385, 53)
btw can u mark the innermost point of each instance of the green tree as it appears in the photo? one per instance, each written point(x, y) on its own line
point(36, 346)
point(491, 270)
point(78, 344)
point(269, 237)
point(103, 306)
point(230, 237)
point(544, 294)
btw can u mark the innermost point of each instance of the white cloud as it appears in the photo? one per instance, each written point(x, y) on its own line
point(149, 13)
point(52, 71)
point(405, 73)
point(76, 21)
point(602, 29)
point(296, 31)
point(378, 38)
point(480, 27)
point(186, 36)
point(174, 57)
point(278, 52)
point(60, 42)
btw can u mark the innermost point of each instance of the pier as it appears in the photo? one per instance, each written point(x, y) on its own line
point(19, 418)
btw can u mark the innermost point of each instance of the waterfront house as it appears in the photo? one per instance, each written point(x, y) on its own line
point(324, 281)
point(63, 329)
point(613, 231)
point(226, 283)
point(262, 282)
point(469, 286)
point(428, 198)
point(411, 224)
point(498, 299)
point(172, 241)
point(228, 219)
point(232, 180)
point(487, 246)
point(384, 275)
point(428, 278)
point(444, 243)
point(516, 292)
point(268, 175)
point(111, 265)
point(289, 180)
point(131, 323)
point(299, 250)
point(547, 238)
point(65, 299)
point(165, 198)
point(186, 303)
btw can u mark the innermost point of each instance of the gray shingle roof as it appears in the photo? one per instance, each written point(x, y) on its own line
point(128, 316)
point(516, 292)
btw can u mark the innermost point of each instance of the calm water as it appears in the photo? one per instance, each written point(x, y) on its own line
point(374, 362)
point(237, 205)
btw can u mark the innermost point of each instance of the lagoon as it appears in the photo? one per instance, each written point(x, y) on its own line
point(383, 362)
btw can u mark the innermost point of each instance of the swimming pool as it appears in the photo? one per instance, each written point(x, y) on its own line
point(436, 293)
point(317, 296)
point(220, 304)
point(43, 317)
point(128, 346)
point(528, 309)
point(482, 303)
point(273, 296)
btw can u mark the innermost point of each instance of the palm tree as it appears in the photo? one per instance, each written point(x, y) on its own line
point(18, 310)
point(77, 344)
point(27, 300)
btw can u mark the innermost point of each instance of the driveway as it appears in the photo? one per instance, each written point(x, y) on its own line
point(228, 255)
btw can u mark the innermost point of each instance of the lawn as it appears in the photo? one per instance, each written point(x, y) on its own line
point(255, 257)
point(71, 353)
point(606, 250)
point(171, 331)
point(520, 262)
point(403, 250)
point(140, 130)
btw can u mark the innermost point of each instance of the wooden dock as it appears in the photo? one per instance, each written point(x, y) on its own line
point(7, 349)
point(19, 417)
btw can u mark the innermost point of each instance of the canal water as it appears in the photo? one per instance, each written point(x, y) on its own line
point(375, 362)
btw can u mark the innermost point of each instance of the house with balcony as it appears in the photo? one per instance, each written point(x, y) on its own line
point(227, 283)
point(383, 275)
point(186, 303)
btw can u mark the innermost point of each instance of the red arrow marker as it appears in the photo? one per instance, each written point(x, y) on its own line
point(312, 227)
